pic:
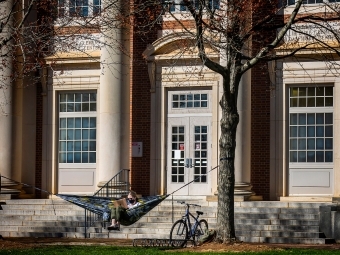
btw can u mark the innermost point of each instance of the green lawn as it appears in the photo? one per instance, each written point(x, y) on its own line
point(103, 250)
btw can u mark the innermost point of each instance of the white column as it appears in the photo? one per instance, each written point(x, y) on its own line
point(243, 139)
point(5, 98)
point(109, 97)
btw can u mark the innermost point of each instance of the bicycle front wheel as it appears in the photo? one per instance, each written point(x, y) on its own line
point(179, 233)
point(201, 231)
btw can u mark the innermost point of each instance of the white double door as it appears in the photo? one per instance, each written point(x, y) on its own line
point(188, 155)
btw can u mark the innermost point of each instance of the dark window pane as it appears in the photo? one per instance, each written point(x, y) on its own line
point(328, 156)
point(319, 156)
point(77, 134)
point(302, 102)
point(92, 157)
point(294, 92)
point(293, 131)
point(62, 135)
point(77, 146)
point(319, 91)
point(69, 146)
point(310, 156)
point(77, 157)
point(62, 146)
point(293, 144)
point(62, 108)
point(62, 157)
point(328, 131)
point(302, 131)
point(92, 122)
point(310, 144)
point(320, 102)
point(85, 146)
point(70, 134)
point(302, 156)
point(310, 118)
point(293, 119)
point(293, 156)
point(302, 119)
point(329, 91)
point(85, 134)
point(85, 157)
point(77, 97)
point(320, 144)
point(329, 144)
point(70, 107)
point(85, 122)
point(311, 102)
point(310, 131)
point(204, 104)
point(62, 123)
point(92, 146)
point(328, 101)
point(311, 92)
point(302, 91)
point(302, 144)
point(293, 102)
point(320, 131)
point(320, 118)
point(328, 118)
point(70, 157)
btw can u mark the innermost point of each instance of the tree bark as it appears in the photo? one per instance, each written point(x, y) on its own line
point(226, 178)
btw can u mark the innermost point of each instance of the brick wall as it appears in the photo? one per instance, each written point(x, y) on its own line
point(140, 109)
point(260, 105)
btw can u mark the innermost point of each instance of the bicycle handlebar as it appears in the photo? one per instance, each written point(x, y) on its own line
point(183, 202)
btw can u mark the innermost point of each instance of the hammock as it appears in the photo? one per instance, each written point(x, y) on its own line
point(102, 206)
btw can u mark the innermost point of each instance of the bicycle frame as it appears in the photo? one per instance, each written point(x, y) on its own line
point(186, 218)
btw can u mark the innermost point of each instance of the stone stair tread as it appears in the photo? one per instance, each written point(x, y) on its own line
point(258, 221)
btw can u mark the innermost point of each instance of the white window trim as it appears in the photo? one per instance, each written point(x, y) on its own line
point(90, 9)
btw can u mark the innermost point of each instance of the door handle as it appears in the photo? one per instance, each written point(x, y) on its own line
point(188, 163)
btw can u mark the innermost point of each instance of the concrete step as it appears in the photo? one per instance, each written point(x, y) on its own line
point(256, 221)
point(290, 234)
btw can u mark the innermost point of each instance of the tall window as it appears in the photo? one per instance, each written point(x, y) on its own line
point(79, 8)
point(311, 124)
point(77, 127)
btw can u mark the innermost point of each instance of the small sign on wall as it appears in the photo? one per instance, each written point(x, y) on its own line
point(137, 149)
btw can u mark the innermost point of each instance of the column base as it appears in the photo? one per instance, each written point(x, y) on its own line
point(242, 192)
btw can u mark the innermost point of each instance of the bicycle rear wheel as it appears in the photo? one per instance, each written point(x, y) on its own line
point(201, 231)
point(179, 233)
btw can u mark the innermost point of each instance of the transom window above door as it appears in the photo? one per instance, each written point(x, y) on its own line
point(190, 100)
point(311, 124)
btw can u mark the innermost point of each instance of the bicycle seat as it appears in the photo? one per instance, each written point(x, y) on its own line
point(199, 212)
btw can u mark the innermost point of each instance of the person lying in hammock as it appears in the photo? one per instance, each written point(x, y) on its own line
point(120, 208)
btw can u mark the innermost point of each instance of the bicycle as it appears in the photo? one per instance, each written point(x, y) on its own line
point(183, 230)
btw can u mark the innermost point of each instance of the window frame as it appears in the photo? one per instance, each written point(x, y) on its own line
point(79, 114)
point(93, 8)
point(306, 110)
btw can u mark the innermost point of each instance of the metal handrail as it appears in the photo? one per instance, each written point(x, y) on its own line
point(118, 186)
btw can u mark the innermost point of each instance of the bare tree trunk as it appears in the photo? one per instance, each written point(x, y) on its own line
point(227, 143)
